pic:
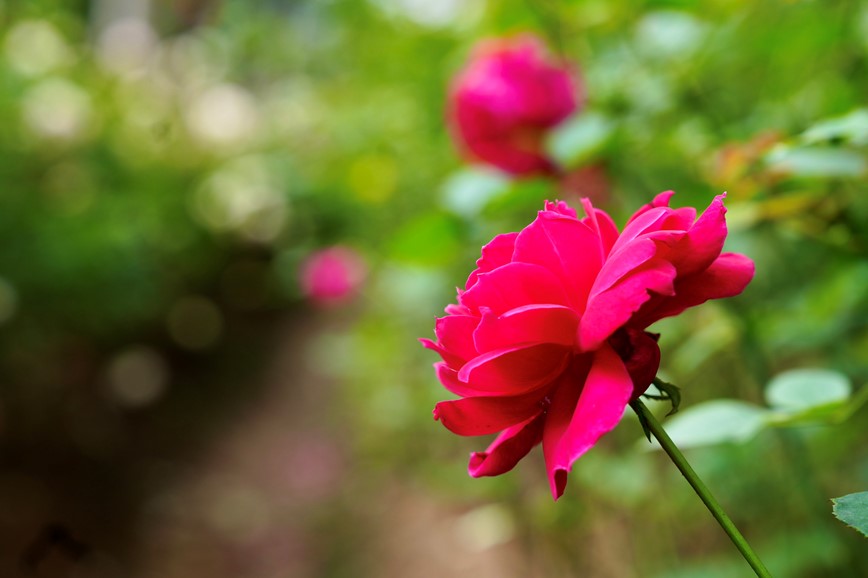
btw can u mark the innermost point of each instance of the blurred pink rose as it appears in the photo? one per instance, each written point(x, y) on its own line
point(547, 342)
point(332, 275)
point(506, 99)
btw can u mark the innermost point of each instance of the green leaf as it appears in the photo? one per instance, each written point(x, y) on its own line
point(713, 422)
point(852, 509)
point(851, 128)
point(801, 389)
point(579, 138)
point(668, 392)
point(816, 162)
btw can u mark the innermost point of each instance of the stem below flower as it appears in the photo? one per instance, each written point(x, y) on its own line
point(700, 488)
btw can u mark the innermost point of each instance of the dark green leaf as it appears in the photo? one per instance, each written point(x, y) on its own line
point(852, 509)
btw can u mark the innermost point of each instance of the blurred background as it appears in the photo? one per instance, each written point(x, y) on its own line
point(224, 224)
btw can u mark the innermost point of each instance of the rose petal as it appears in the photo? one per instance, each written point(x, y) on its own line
point(623, 262)
point(515, 370)
point(726, 277)
point(474, 416)
point(602, 224)
point(661, 200)
point(703, 242)
point(648, 222)
point(680, 219)
point(449, 378)
point(507, 449)
point(527, 325)
point(567, 248)
point(495, 254)
point(561, 208)
point(613, 307)
point(515, 285)
point(455, 339)
point(571, 430)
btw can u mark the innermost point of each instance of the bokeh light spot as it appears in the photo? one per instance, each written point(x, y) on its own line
point(35, 47)
point(137, 377)
point(56, 108)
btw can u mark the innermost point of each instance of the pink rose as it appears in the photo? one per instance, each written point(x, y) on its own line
point(332, 275)
point(506, 99)
point(547, 342)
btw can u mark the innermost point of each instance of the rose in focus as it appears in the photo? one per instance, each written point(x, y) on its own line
point(547, 343)
point(507, 98)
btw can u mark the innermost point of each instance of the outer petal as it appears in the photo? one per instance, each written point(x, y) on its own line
point(561, 208)
point(703, 242)
point(567, 248)
point(623, 262)
point(495, 254)
point(661, 200)
point(507, 449)
point(648, 222)
point(455, 339)
point(527, 325)
point(515, 370)
point(602, 224)
point(515, 285)
point(612, 308)
point(449, 378)
point(475, 416)
point(726, 277)
point(571, 431)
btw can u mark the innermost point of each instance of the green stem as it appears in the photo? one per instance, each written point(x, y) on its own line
point(647, 418)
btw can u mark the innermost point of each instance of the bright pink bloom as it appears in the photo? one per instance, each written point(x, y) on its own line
point(547, 342)
point(506, 99)
point(332, 275)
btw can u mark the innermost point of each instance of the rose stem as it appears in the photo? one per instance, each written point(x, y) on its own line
point(700, 488)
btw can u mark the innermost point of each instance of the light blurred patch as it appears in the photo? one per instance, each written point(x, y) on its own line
point(58, 109)
point(467, 192)
point(148, 122)
point(815, 162)
point(293, 108)
point(222, 116)
point(373, 178)
point(670, 34)
point(410, 292)
point(195, 323)
point(126, 46)
point(137, 377)
point(485, 527)
point(197, 59)
point(242, 197)
point(35, 47)
point(441, 14)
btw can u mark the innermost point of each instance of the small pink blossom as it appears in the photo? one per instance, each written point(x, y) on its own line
point(547, 343)
point(506, 99)
point(332, 275)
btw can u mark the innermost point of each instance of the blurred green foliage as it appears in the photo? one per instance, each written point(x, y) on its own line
point(163, 178)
